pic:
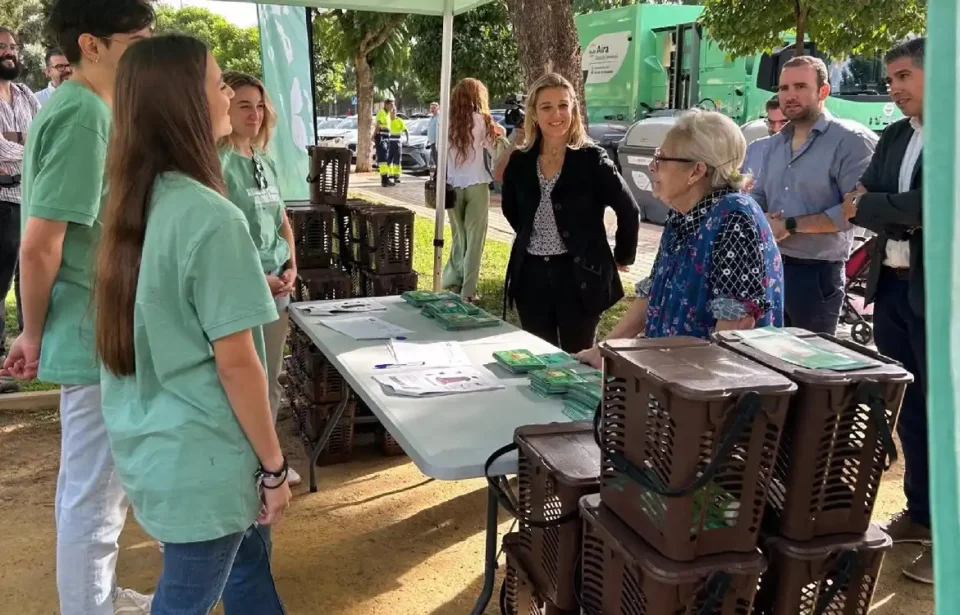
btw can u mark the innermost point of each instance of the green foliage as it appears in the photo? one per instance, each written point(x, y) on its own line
point(592, 6)
point(235, 48)
point(839, 28)
point(483, 47)
point(26, 18)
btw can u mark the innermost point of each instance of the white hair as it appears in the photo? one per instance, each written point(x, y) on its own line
point(715, 140)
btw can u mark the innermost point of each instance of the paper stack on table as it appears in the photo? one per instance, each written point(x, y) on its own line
point(454, 315)
point(366, 328)
point(581, 400)
point(420, 298)
point(437, 382)
point(438, 354)
point(547, 382)
point(350, 306)
point(523, 361)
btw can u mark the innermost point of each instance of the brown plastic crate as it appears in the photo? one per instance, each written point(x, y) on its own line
point(388, 285)
point(622, 574)
point(314, 230)
point(357, 286)
point(835, 447)
point(558, 465)
point(319, 380)
point(329, 177)
point(828, 576)
point(387, 444)
point(322, 285)
point(689, 434)
point(518, 596)
point(313, 419)
point(389, 236)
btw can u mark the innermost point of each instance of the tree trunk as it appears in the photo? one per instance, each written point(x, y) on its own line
point(547, 40)
point(364, 113)
point(800, 16)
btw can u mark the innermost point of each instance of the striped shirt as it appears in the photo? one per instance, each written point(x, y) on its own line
point(15, 116)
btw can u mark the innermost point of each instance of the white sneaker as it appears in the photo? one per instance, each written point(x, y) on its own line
point(129, 601)
point(293, 478)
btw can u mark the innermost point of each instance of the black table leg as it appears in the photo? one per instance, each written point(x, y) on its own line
point(490, 565)
point(321, 442)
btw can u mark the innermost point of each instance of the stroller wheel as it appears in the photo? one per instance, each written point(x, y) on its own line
point(862, 333)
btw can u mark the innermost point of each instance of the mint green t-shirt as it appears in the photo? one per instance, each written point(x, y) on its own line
point(260, 203)
point(186, 464)
point(63, 172)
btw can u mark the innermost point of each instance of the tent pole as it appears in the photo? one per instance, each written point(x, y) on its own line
point(443, 141)
point(313, 72)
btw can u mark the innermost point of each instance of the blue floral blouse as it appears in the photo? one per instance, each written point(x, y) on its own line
point(717, 262)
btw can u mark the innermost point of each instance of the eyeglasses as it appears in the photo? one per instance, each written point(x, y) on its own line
point(61, 67)
point(258, 175)
point(658, 157)
point(11, 47)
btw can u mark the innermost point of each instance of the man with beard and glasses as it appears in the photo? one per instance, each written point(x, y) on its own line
point(807, 171)
point(18, 106)
point(889, 202)
point(58, 70)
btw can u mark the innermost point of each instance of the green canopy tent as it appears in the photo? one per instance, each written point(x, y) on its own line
point(441, 8)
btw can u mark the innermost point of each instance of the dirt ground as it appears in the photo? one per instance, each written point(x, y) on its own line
point(378, 538)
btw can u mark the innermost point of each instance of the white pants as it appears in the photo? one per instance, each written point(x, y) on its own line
point(90, 508)
point(274, 339)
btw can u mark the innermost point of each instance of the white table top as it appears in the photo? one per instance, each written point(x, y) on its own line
point(449, 437)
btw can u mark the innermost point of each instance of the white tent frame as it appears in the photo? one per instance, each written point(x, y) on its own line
point(447, 9)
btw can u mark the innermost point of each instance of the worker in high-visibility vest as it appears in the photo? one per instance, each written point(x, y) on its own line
point(382, 141)
point(397, 129)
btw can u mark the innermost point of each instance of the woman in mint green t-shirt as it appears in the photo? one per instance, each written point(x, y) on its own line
point(180, 302)
point(251, 182)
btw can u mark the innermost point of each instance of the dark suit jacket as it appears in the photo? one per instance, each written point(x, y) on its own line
point(893, 214)
point(588, 184)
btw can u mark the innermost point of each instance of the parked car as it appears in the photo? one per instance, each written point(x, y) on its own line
point(415, 153)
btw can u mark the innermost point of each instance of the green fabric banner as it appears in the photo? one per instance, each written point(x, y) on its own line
point(286, 75)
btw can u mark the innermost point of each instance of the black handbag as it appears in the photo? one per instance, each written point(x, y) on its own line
point(430, 194)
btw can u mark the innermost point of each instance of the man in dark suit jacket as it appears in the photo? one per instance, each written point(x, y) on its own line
point(888, 201)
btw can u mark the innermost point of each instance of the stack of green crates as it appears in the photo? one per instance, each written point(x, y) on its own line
point(454, 315)
point(581, 400)
point(420, 298)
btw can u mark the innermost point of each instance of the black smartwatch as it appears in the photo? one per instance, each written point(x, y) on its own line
point(791, 224)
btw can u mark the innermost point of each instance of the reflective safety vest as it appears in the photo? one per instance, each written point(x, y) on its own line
point(383, 122)
point(397, 128)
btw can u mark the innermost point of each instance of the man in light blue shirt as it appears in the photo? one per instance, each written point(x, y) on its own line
point(58, 70)
point(433, 130)
point(753, 160)
point(807, 170)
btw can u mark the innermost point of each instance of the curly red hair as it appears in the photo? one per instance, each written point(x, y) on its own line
point(469, 97)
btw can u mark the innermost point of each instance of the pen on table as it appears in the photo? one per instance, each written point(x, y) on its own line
point(389, 365)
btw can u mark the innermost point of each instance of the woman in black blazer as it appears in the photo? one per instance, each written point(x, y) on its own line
point(562, 274)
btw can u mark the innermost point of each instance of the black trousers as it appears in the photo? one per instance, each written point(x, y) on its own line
point(549, 305)
point(901, 335)
point(813, 294)
point(9, 255)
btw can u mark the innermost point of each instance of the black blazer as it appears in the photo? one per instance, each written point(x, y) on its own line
point(893, 214)
point(589, 182)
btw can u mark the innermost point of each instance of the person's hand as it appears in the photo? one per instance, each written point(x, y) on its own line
point(743, 324)
point(521, 136)
point(23, 360)
point(590, 357)
point(275, 503)
point(849, 209)
point(623, 268)
point(276, 285)
point(778, 226)
point(499, 130)
point(289, 279)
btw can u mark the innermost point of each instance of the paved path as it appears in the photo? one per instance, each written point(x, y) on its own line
point(409, 194)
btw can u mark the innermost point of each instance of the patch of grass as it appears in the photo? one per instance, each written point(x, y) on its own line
point(10, 321)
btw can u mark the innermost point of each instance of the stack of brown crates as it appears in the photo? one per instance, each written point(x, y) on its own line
point(825, 556)
point(688, 435)
point(377, 242)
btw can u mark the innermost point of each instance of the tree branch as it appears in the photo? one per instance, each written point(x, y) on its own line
point(370, 41)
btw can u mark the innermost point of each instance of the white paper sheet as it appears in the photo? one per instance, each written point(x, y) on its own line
point(349, 306)
point(439, 354)
point(436, 382)
point(366, 328)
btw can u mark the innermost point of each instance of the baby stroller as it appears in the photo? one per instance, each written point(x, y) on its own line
point(854, 312)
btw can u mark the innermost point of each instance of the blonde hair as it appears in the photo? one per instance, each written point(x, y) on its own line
point(577, 136)
point(715, 140)
point(237, 80)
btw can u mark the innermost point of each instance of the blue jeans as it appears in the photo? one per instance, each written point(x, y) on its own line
point(236, 567)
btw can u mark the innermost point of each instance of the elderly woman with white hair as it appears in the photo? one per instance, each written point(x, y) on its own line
point(718, 266)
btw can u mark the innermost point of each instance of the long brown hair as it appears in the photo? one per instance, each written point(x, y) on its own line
point(577, 137)
point(160, 125)
point(237, 80)
point(469, 97)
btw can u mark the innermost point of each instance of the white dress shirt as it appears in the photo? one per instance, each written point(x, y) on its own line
point(898, 252)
